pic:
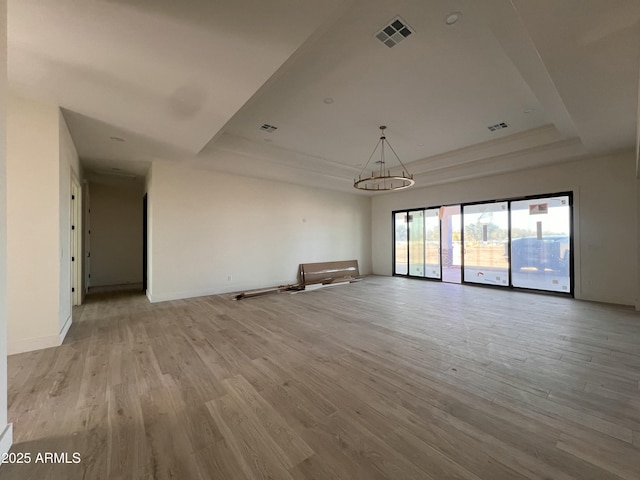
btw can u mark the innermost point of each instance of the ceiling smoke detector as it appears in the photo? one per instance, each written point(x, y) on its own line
point(393, 33)
point(268, 128)
point(452, 18)
point(497, 126)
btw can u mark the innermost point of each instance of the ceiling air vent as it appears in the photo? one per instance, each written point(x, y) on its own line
point(497, 126)
point(268, 128)
point(394, 33)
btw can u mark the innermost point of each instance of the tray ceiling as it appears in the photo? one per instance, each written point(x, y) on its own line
point(193, 82)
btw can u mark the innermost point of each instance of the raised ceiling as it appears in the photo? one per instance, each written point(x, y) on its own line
point(193, 81)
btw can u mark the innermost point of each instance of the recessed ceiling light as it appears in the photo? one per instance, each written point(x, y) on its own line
point(117, 139)
point(328, 100)
point(452, 18)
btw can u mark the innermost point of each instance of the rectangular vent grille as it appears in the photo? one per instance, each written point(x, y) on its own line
point(497, 126)
point(268, 128)
point(394, 33)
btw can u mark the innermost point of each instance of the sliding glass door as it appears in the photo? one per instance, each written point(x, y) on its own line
point(541, 243)
point(401, 246)
point(521, 243)
point(427, 243)
point(415, 220)
point(486, 238)
point(451, 245)
point(417, 243)
point(432, 242)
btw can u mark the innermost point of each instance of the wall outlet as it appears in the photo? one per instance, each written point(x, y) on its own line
point(229, 278)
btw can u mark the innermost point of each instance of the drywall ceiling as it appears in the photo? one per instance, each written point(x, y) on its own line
point(192, 82)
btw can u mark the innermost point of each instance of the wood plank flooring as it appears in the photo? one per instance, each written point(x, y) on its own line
point(389, 378)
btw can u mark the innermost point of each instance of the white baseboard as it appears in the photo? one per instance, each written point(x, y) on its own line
point(34, 343)
point(38, 343)
point(165, 297)
point(6, 439)
point(118, 287)
point(65, 329)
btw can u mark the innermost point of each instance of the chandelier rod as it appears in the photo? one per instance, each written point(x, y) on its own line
point(394, 152)
point(370, 157)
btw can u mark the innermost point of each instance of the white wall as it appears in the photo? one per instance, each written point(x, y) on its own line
point(6, 436)
point(207, 227)
point(40, 158)
point(116, 233)
point(33, 218)
point(605, 218)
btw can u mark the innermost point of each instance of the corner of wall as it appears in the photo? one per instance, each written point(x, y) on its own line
point(6, 437)
point(69, 166)
point(148, 190)
point(40, 158)
point(65, 329)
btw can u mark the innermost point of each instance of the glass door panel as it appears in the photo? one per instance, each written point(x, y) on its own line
point(450, 236)
point(541, 243)
point(415, 220)
point(401, 247)
point(486, 240)
point(432, 242)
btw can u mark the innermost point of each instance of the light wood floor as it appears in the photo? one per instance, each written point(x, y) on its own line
point(388, 378)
